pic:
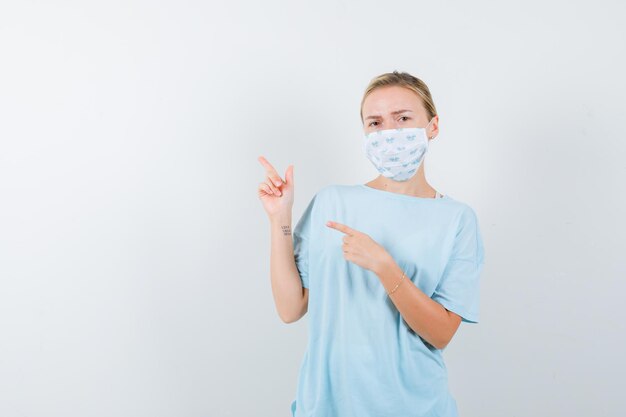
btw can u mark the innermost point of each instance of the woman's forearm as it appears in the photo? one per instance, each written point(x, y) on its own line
point(287, 288)
point(424, 315)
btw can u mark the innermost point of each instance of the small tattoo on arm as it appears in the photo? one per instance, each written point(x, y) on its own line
point(286, 230)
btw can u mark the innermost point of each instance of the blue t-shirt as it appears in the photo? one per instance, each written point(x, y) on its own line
point(362, 358)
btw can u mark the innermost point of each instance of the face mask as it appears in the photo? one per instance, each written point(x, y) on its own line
point(397, 153)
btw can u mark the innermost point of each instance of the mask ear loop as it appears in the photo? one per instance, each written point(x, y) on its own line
point(426, 128)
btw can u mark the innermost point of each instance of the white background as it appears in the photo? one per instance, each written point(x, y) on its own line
point(134, 252)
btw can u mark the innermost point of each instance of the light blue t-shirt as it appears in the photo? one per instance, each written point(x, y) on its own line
point(362, 358)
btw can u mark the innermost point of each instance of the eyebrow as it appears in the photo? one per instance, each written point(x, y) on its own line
point(376, 116)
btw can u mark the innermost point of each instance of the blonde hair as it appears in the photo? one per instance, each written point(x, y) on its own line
point(402, 79)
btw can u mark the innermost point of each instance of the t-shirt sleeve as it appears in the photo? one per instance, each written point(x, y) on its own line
point(458, 291)
point(301, 240)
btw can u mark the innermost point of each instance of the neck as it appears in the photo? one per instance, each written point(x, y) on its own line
point(416, 186)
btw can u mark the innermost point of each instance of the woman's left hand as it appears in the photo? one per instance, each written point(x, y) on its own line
point(360, 248)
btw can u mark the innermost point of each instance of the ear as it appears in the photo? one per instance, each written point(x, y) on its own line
point(434, 129)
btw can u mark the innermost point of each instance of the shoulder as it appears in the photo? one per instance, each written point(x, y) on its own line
point(461, 208)
point(461, 215)
point(467, 225)
point(320, 198)
point(332, 191)
point(329, 196)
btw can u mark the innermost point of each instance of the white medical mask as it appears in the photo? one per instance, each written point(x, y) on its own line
point(397, 153)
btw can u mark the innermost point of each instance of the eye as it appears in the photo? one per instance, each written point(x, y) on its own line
point(372, 122)
point(406, 117)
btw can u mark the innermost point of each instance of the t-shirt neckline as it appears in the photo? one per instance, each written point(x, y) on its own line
point(401, 196)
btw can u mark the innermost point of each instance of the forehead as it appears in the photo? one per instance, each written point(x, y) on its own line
point(385, 100)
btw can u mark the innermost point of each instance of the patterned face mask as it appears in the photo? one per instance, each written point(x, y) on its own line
point(397, 153)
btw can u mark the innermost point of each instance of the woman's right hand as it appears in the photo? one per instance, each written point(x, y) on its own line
point(276, 194)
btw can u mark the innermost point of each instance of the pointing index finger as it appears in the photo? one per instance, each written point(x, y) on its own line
point(271, 172)
point(341, 227)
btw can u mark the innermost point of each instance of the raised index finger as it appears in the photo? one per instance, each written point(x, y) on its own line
point(271, 172)
point(341, 227)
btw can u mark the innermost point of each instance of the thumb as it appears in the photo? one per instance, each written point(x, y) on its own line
point(289, 175)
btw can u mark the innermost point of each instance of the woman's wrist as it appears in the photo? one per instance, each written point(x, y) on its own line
point(282, 223)
point(281, 218)
point(384, 263)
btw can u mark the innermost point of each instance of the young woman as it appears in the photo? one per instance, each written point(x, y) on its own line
point(387, 270)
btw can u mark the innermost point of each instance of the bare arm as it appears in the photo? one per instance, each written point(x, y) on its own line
point(425, 316)
point(290, 297)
